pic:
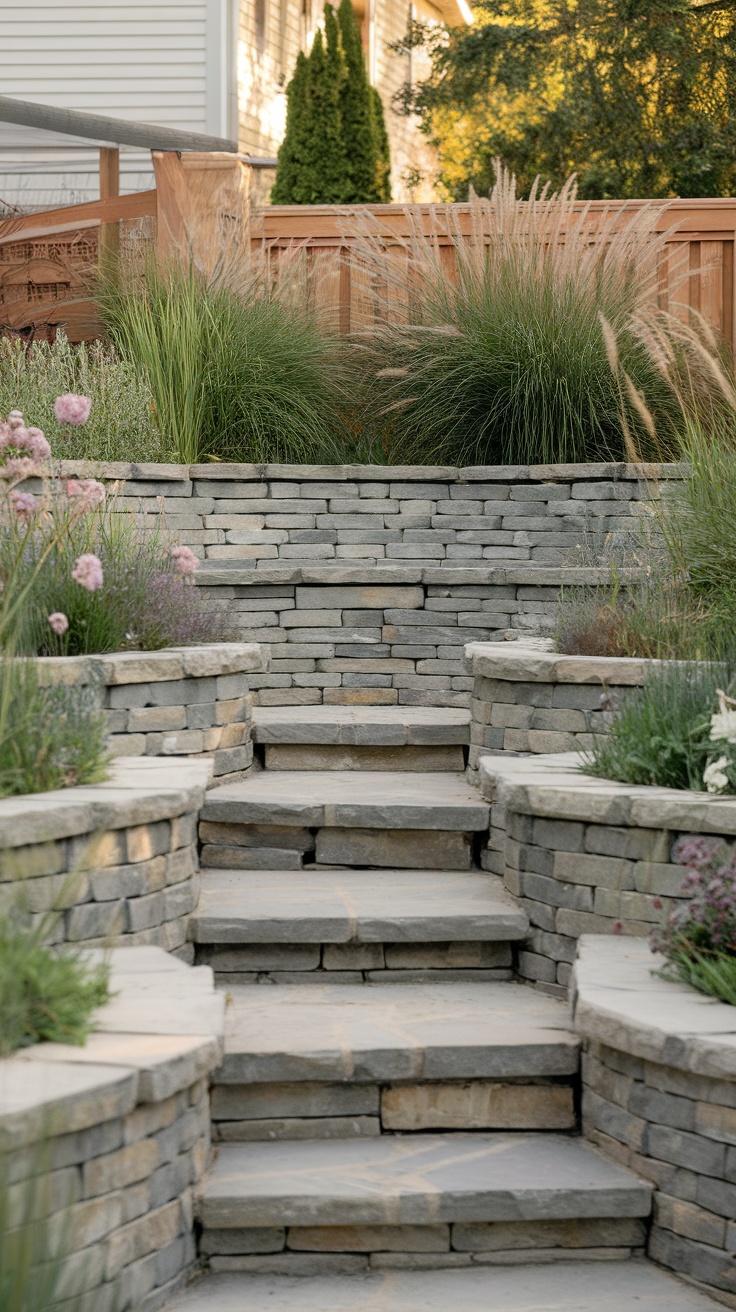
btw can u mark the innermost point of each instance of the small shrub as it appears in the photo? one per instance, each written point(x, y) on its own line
point(121, 424)
point(45, 993)
point(661, 732)
point(698, 939)
point(656, 618)
point(50, 737)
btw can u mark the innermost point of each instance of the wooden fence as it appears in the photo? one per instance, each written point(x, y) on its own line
point(46, 258)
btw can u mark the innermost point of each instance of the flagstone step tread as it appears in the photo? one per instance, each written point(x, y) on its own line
point(360, 906)
point(416, 1180)
point(350, 799)
point(567, 1287)
point(377, 726)
point(395, 1032)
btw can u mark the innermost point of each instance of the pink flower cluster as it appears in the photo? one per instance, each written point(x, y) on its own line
point(706, 921)
point(59, 622)
point(87, 572)
point(184, 560)
point(87, 492)
point(22, 449)
point(71, 409)
point(24, 504)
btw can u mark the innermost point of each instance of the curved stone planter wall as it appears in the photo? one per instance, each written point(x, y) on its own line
point(119, 857)
point(367, 581)
point(659, 1096)
point(587, 855)
point(182, 701)
point(528, 700)
point(122, 1128)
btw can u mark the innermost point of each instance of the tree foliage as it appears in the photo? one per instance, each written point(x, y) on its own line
point(335, 150)
point(635, 96)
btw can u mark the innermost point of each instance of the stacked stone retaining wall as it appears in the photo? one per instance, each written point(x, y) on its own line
point(586, 855)
point(527, 700)
point(659, 1096)
point(110, 1140)
point(119, 860)
point(182, 701)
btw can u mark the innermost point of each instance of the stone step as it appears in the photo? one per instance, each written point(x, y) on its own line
point(442, 1194)
point(415, 738)
point(340, 1061)
point(349, 906)
point(529, 1286)
point(276, 819)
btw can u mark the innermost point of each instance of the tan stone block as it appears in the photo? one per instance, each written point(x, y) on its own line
point(361, 697)
point(212, 738)
point(93, 851)
point(103, 1175)
point(32, 861)
point(482, 1105)
point(688, 1220)
point(406, 849)
point(473, 955)
point(147, 841)
point(299, 756)
point(149, 719)
point(150, 1117)
point(500, 1236)
point(369, 1239)
point(148, 1234)
point(234, 710)
point(716, 1122)
point(233, 735)
point(280, 836)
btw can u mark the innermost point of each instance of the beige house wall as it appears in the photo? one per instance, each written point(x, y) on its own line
point(270, 35)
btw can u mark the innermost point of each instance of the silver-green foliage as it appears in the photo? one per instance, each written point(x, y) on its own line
point(121, 425)
point(50, 737)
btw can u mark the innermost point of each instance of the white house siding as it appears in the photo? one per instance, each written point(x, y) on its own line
point(164, 62)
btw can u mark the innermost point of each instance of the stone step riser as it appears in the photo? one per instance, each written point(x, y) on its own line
point(252, 1113)
point(311, 1250)
point(233, 846)
point(331, 963)
point(305, 756)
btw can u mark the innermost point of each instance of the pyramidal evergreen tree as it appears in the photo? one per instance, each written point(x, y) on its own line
point(335, 150)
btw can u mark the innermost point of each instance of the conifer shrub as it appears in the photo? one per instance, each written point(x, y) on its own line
point(335, 150)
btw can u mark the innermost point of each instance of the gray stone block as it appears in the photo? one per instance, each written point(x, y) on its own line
point(405, 849)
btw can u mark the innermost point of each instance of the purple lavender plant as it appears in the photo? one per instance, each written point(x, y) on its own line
point(698, 938)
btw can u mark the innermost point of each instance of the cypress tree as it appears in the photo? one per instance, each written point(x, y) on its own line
point(295, 144)
point(383, 150)
point(335, 150)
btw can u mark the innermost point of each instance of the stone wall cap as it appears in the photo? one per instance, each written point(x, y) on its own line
point(161, 1031)
point(556, 787)
point(112, 668)
point(516, 662)
point(139, 790)
point(621, 1001)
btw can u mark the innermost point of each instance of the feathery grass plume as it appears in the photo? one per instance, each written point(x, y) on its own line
point(495, 311)
point(241, 364)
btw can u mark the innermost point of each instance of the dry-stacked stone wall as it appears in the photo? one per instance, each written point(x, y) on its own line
point(586, 855)
point(182, 701)
point(367, 581)
point(528, 700)
point(659, 1096)
point(110, 1140)
point(119, 859)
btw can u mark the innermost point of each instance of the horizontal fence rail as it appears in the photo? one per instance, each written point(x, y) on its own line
point(46, 258)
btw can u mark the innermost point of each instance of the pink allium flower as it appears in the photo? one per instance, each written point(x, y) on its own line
point(18, 468)
point(185, 561)
point(59, 622)
point(88, 492)
point(24, 504)
point(72, 409)
point(87, 572)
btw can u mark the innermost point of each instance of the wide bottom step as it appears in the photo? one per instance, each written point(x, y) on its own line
point(574, 1287)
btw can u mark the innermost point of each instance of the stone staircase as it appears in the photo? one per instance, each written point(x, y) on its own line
point(389, 1098)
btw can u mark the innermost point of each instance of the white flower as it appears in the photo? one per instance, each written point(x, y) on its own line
point(713, 777)
point(723, 726)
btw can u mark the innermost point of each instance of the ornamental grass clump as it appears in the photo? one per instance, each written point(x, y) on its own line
point(698, 938)
point(485, 342)
point(50, 737)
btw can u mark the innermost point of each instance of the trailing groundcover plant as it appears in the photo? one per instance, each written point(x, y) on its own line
point(698, 938)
